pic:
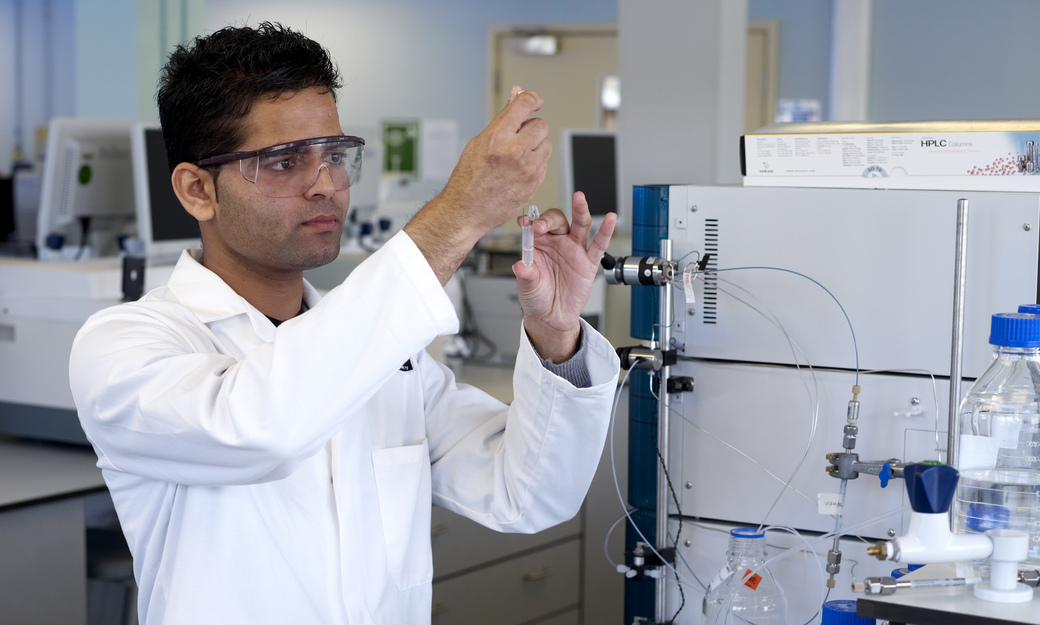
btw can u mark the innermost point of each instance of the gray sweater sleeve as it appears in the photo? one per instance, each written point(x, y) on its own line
point(574, 370)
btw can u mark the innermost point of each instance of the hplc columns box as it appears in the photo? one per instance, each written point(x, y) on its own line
point(970, 155)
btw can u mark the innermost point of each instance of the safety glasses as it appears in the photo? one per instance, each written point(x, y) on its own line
point(289, 169)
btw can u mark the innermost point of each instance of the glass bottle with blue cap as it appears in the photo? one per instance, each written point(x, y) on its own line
point(745, 591)
point(999, 437)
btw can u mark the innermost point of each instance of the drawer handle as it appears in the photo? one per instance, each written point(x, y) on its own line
point(439, 608)
point(534, 576)
point(438, 530)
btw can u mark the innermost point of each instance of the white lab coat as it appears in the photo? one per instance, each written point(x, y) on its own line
point(285, 475)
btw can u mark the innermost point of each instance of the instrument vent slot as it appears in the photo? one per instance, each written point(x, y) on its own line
point(711, 281)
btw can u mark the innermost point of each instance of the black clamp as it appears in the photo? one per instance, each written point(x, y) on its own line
point(643, 558)
point(680, 384)
point(646, 358)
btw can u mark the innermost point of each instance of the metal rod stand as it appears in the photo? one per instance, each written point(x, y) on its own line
point(960, 276)
point(663, 435)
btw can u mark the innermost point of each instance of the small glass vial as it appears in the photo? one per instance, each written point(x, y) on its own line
point(745, 591)
point(527, 236)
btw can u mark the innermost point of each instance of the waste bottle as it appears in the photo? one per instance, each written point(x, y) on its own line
point(745, 591)
point(998, 434)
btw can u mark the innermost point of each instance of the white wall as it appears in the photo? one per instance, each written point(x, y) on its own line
point(805, 43)
point(956, 59)
point(7, 78)
point(403, 58)
point(429, 58)
point(47, 83)
point(682, 80)
point(929, 59)
point(160, 27)
point(409, 58)
point(88, 58)
point(106, 58)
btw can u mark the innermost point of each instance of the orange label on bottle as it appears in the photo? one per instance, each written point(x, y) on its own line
point(752, 580)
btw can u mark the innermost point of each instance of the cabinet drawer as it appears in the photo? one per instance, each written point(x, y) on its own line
point(567, 618)
point(511, 592)
point(460, 544)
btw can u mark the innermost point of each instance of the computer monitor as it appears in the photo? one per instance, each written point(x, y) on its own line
point(589, 163)
point(87, 189)
point(164, 227)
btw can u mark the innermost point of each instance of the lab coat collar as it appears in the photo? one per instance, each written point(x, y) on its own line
point(210, 298)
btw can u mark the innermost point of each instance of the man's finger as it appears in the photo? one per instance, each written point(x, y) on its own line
point(602, 238)
point(555, 222)
point(535, 133)
point(581, 218)
point(518, 109)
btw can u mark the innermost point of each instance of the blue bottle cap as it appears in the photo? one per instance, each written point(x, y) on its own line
point(746, 532)
point(55, 241)
point(1015, 330)
point(1029, 309)
point(843, 612)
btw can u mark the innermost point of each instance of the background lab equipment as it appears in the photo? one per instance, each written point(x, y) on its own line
point(43, 303)
point(86, 203)
point(164, 228)
point(590, 163)
point(491, 314)
point(745, 333)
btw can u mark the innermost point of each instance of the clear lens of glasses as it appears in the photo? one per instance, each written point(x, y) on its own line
point(290, 171)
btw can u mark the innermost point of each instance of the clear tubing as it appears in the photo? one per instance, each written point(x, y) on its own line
point(855, 345)
point(819, 539)
point(682, 580)
point(837, 531)
point(828, 536)
point(814, 403)
point(527, 236)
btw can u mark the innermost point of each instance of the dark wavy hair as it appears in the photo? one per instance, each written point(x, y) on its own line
point(208, 87)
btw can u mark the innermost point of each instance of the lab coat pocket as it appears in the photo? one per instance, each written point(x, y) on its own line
point(403, 480)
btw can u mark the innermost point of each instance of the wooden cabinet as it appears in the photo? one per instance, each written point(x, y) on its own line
point(539, 582)
point(461, 545)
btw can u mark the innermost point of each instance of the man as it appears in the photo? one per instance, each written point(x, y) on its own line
point(273, 454)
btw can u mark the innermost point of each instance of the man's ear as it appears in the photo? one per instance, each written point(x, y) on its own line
point(196, 189)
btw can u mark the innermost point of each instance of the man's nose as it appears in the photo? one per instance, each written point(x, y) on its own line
point(323, 183)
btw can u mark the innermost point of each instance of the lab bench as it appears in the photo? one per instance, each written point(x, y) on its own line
point(950, 605)
point(43, 559)
point(946, 606)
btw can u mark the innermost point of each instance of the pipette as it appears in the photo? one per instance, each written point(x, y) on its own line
point(527, 236)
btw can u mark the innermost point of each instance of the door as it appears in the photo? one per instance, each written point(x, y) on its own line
point(760, 79)
point(569, 75)
point(575, 70)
